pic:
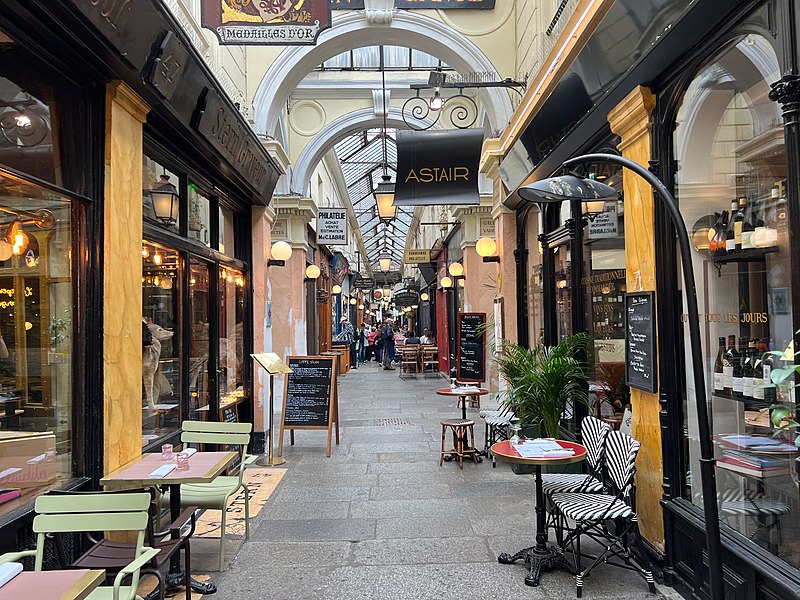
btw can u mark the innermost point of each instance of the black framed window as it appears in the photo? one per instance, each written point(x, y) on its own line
point(732, 165)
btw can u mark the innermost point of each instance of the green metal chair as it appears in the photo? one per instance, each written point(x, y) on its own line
point(215, 495)
point(92, 512)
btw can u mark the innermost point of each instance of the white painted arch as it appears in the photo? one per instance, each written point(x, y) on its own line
point(352, 30)
point(333, 132)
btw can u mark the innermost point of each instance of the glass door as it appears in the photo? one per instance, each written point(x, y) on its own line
point(199, 346)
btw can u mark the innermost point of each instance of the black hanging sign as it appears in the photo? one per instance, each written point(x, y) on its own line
point(471, 360)
point(406, 297)
point(363, 283)
point(438, 167)
point(640, 341)
point(310, 400)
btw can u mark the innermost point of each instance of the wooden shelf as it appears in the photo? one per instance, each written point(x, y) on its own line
point(750, 255)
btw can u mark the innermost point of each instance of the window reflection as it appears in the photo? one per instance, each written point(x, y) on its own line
point(161, 379)
point(199, 340)
point(199, 216)
point(730, 148)
point(36, 327)
point(231, 335)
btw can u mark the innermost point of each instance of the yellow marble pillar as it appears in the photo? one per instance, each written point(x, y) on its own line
point(630, 120)
point(122, 272)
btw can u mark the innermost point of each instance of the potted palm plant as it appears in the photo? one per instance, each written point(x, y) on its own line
point(542, 380)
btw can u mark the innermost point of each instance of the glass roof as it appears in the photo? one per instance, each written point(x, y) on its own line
point(361, 158)
point(396, 58)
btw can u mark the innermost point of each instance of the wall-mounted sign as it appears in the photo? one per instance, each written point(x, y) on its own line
point(363, 283)
point(438, 167)
point(487, 227)
point(414, 256)
point(604, 225)
point(412, 4)
point(280, 230)
point(332, 227)
point(640, 341)
point(267, 22)
point(225, 130)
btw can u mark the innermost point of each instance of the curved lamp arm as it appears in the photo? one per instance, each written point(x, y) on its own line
point(707, 470)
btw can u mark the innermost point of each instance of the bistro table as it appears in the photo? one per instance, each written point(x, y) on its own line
point(463, 394)
point(54, 585)
point(541, 556)
point(203, 468)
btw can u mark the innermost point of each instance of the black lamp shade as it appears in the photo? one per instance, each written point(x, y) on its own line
point(566, 187)
point(166, 201)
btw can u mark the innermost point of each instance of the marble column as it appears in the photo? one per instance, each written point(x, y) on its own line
point(122, 273)
point(630, 120)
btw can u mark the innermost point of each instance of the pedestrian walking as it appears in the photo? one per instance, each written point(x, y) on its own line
point(388, 346)
point(348, 335)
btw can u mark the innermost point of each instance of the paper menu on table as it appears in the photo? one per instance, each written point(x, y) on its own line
point(542, 448)
point(468, 389)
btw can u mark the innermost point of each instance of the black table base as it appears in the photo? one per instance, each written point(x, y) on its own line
point(542, 556)
point(547, 559)
point(175, 576)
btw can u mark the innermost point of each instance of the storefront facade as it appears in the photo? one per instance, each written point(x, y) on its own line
point(717, 123)
point(131, 208)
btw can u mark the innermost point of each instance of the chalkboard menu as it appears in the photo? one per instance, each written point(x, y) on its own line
point(471, 361)
point(307, 395)
point(640, 341)
point(229, 414)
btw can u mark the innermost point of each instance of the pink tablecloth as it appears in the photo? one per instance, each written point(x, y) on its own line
point(44, 584)
point(199, 465)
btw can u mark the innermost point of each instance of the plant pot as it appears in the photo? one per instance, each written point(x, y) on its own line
point(615, 422)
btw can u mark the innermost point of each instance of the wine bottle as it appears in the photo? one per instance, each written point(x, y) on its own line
point(748, 225)
point(781, 216)
point(728, 359)
point(738, 371)
point(738, 224)
point(770, 391)
point(730, 231)
point(758, 371)
point(748, 369)
point(719, 366)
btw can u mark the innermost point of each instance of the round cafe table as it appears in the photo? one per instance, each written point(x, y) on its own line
point(541, 556)
point(463, 395)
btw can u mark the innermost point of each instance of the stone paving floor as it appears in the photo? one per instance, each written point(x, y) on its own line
point(381, 519)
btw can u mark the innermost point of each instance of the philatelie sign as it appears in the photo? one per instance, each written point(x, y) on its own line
point(417, 256)
point(438, 167)
point(332, 227)
point(267, 22)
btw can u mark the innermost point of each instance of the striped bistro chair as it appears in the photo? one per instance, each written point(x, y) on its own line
point(591, 511)
point(594, 433)
point(765, 513)
point(496, 427)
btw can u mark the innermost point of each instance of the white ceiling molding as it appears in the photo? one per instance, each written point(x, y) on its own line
point(379, 102)
point(350, 30)
point(379, 12)
point(336, 130)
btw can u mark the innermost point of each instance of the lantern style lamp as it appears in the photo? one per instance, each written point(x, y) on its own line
point(486, 248)
point(384, 198)
point(446, 282)
point(387, 292)
point(386, 263)
point(336, 289)
point(17, 238)
point(312, 272)
point(456, 269)
point(280, 253)
point(166, 201)
point(424, 296)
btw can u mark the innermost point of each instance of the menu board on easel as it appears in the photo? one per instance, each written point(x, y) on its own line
point(471, 357)
point(310, 400)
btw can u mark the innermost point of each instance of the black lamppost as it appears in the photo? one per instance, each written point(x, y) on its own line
point(571, 187)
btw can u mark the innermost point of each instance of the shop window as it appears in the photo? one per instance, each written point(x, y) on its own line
point(231, 336)
point(199, 216)
point(36, 340)
point(199, 347)
point(226, 240)
point(160, 195)
point(729, 143)
point(161, 381)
